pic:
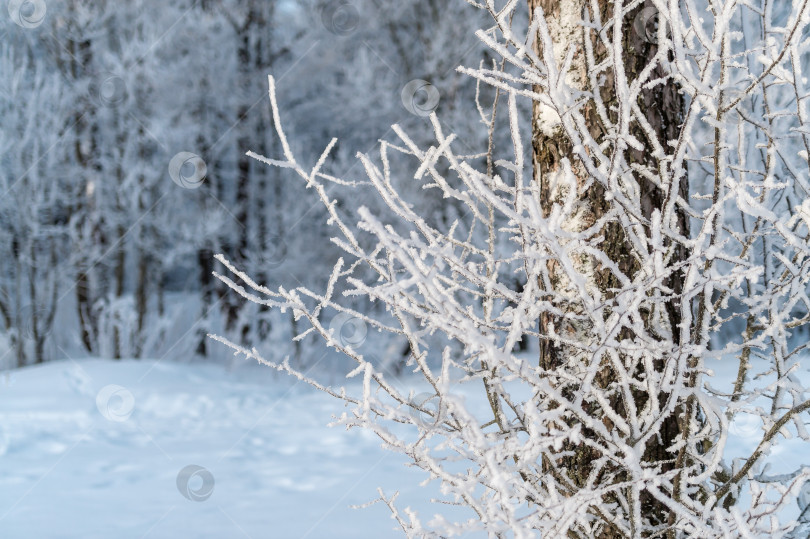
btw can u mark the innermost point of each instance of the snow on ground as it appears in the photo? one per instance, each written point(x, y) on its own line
point(94, 448)
point(278, 471)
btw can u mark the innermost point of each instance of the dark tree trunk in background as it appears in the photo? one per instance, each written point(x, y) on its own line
point(78, 66)
point(205, 253)
point(663, 107)
point(120, 275)
point(145, 235)
point(205, 261)
point(255, 55)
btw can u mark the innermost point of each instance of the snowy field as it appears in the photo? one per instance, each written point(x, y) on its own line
point(80, 461)
point(95, 448)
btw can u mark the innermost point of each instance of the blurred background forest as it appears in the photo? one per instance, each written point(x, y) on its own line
point(123, 168)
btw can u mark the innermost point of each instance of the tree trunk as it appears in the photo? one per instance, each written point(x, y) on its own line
point(233, 305)
point(145, 236)
point(663, 107)
point(205, 261)
point(120, 273)
point(254, 55)
point(76, 65)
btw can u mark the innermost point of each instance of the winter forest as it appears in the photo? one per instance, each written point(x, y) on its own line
point(423, 268)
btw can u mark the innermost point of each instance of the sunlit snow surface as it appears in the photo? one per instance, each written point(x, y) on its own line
point(66, 470)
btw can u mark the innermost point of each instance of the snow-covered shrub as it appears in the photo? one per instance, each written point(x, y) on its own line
point(635, 358)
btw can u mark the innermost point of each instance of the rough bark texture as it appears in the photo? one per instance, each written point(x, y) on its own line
point(662, 105)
